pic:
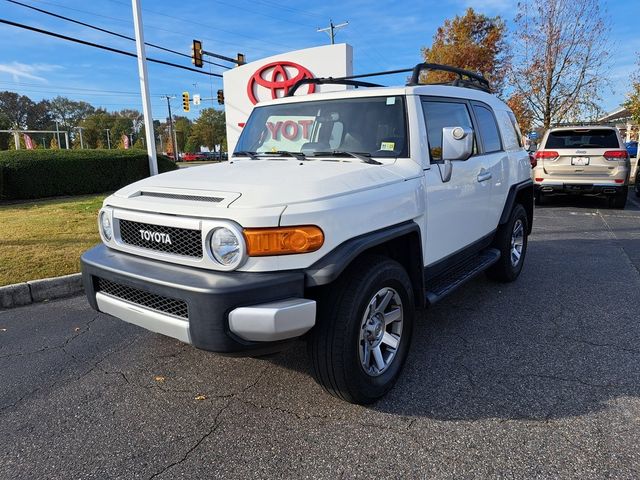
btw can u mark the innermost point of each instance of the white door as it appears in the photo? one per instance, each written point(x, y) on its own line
point(457, 210)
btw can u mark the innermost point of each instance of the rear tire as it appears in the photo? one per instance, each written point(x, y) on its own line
point(512, 240)
point(619, 200)
point(369, 309)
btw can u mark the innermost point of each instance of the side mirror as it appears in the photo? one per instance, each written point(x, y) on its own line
point(457, 143)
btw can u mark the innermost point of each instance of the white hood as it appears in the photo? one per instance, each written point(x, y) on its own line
point(269, 182)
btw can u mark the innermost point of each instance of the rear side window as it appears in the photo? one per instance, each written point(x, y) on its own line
point(516, 127)
point(583, 138)
point(488, 129)
point(443, 114)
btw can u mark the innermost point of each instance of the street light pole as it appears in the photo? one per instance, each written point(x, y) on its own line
point(144, 87)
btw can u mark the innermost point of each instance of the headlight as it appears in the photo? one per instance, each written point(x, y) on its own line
point(105, 226)
point(227, 247)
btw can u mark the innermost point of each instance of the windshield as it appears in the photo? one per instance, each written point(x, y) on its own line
point(374, 126)
point(583, 138)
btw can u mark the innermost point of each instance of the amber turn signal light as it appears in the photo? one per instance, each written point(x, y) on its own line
point(283, 240)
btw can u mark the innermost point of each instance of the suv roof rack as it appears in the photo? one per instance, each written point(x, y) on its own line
point(329, 81)
point(465, 78)
point(472, 80)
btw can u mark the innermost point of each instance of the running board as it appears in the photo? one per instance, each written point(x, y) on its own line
point(439, 287)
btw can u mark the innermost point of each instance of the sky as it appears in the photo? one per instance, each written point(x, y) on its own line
point(385, 35)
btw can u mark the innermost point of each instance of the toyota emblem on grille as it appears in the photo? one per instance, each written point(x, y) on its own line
point(277, 77)
point(157, 237)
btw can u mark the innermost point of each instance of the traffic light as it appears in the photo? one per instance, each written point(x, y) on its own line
point(196, 53)
point(240, 59)
point(220, 97)
point(185, 101)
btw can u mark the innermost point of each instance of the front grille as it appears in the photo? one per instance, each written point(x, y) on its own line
point(177, 196)
point(174, 240)
point(166, 305)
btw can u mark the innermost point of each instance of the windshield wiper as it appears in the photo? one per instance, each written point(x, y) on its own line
point(364, 157)
point(245, 153)
point(283, 153)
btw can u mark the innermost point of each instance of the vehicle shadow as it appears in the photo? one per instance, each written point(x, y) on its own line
point(562, 341)
point(586, 202)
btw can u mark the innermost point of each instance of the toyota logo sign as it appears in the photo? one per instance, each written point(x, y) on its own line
point(277, 77)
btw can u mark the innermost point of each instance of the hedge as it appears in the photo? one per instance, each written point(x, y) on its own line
point(26, 174)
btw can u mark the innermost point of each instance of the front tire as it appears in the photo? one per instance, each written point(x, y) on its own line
point(364, 330)
point(511, 239)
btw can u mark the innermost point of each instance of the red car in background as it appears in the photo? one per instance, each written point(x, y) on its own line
point(193, 157)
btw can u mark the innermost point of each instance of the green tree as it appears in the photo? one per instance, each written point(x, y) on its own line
point(474, 42)
point(15, 108)
point(69, 113)
point(183, 130)
point(209, 129)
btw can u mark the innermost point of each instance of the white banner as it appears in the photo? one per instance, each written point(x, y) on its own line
point(272, 77)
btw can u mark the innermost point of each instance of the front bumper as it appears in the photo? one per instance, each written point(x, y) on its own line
point(548, 188)
point(195, 305)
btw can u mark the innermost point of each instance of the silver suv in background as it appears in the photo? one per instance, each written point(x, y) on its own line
point(582, 160)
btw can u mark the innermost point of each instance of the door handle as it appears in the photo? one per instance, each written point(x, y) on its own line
point(484, 175)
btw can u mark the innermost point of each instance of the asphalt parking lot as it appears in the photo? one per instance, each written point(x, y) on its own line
point(535, 379)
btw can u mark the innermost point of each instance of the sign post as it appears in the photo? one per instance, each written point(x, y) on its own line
point(144, 87)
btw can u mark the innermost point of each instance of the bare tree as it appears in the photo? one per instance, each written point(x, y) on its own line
point(559, 55)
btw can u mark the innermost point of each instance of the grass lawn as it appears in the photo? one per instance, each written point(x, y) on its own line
point(44, 238)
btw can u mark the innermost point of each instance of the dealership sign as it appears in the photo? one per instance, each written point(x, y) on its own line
point(273, 77)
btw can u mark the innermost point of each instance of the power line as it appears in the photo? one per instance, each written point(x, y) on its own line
point(216, 28)
point(110, 32)
point(103, 47)
point(149, 24)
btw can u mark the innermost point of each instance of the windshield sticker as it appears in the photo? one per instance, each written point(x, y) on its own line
point(388, 146)
point(391, 100)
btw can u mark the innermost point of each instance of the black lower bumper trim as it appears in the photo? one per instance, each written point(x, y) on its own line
point(577, 189)
point(209, 296)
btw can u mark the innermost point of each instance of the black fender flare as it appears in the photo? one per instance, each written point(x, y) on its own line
point(329, 267)
point(514, 191)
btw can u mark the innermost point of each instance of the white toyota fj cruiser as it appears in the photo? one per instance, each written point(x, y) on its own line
point(336, 218)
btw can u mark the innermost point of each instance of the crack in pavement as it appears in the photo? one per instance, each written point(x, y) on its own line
point(215, 425)
point(84, 330)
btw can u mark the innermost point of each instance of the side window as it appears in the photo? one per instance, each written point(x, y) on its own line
point(438, 115)
point(516, 127)
point(488, 129)
point(510, 138)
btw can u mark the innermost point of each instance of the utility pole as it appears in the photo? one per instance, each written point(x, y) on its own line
point(172, 134)
point(144, 87)
point(108, 138)
point(331, 30)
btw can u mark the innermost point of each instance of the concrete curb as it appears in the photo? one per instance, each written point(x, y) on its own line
point(36, 291)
